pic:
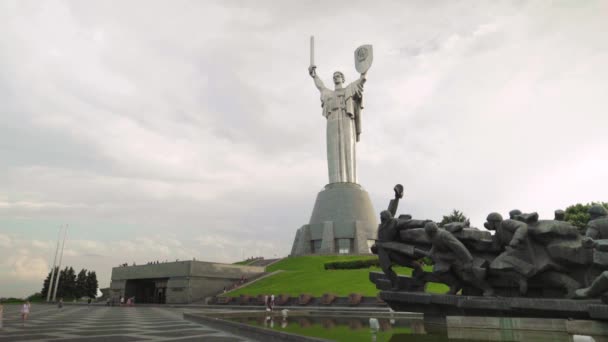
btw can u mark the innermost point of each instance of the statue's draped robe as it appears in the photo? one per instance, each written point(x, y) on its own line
point(342, 107)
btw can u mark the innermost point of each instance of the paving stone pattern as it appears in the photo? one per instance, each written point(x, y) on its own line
point(100, 323)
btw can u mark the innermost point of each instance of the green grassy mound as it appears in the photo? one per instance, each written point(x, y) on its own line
point(307, 274)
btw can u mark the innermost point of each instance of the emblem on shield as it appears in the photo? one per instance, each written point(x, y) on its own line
point(363, 58)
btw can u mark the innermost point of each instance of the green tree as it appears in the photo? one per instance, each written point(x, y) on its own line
point(577, 214)
point(81, 284)
point(36, 297)
point(91, 285)
point(67, 283)
point(454, 216)
point(70, 283)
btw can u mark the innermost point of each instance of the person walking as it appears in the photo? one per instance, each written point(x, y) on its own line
point(60, 303)
point(25, 311)
point(271, 302)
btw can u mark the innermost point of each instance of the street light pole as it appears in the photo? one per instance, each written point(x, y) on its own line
point(65, 233)
point(50, 289)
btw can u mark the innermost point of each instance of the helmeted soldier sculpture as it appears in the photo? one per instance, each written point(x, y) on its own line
point(559, 215)
point(388, 247)
point(452, 257)
point(517, 255)
point(597, 228)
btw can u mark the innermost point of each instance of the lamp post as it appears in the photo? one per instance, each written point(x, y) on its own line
point(65, 233)
point(50, 289)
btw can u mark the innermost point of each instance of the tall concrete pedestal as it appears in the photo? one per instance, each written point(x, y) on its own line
point(343, 221)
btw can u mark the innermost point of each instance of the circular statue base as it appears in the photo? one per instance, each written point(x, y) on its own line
point(343, 221)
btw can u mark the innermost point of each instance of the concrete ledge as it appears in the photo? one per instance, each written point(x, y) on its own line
point(341, 302)
point(457, 305)
point(560, 326)
point(462, 305)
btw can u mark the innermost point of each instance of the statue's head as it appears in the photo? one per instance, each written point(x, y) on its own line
point(431, 229)
point(385, 215)
point(339, 78)
point(514, 213)
point(560, 215)
point(494, 219)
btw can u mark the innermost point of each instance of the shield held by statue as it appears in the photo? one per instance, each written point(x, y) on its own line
point(364, 55)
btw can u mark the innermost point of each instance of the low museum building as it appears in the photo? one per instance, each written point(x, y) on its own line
point(177, 282)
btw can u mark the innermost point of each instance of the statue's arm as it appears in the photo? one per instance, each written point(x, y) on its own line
point(312, 71)
point(355, 88)
point(432, 251)
point(394, 203)
point(319, 84)
point(392, 206)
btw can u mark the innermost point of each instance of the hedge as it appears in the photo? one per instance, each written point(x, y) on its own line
point(352, 264)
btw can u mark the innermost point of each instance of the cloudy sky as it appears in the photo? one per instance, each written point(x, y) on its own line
point(177, 129)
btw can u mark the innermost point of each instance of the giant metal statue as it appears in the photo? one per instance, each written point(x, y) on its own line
point(342, 107)
point(343, 219)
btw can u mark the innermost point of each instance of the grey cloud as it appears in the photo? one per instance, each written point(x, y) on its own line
point(139, 120)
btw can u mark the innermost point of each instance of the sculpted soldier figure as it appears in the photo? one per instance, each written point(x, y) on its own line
point(560, 215)
point(388, 246)
point(597, 228)
point(517, 215)
point(453, 260)
point(516, 260)
point(513, 214)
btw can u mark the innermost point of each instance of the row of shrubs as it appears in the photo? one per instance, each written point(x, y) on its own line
point(352, 264)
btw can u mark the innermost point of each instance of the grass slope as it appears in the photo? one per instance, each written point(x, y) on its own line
point(307, 274)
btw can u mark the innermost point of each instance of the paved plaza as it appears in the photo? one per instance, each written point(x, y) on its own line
point(100, 323)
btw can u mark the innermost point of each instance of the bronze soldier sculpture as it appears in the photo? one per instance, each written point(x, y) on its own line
point(387, 246)
point(454, 261)
point(516, 259)
point(597, 228)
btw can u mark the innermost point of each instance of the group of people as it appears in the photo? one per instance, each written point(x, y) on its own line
point(238, 283)
point(254, 258)
point(269, 321)
point(24, 312)
point(269, 301)
point(127, 301)
point(520, 243)
point(150, 262)
point(154, 262)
